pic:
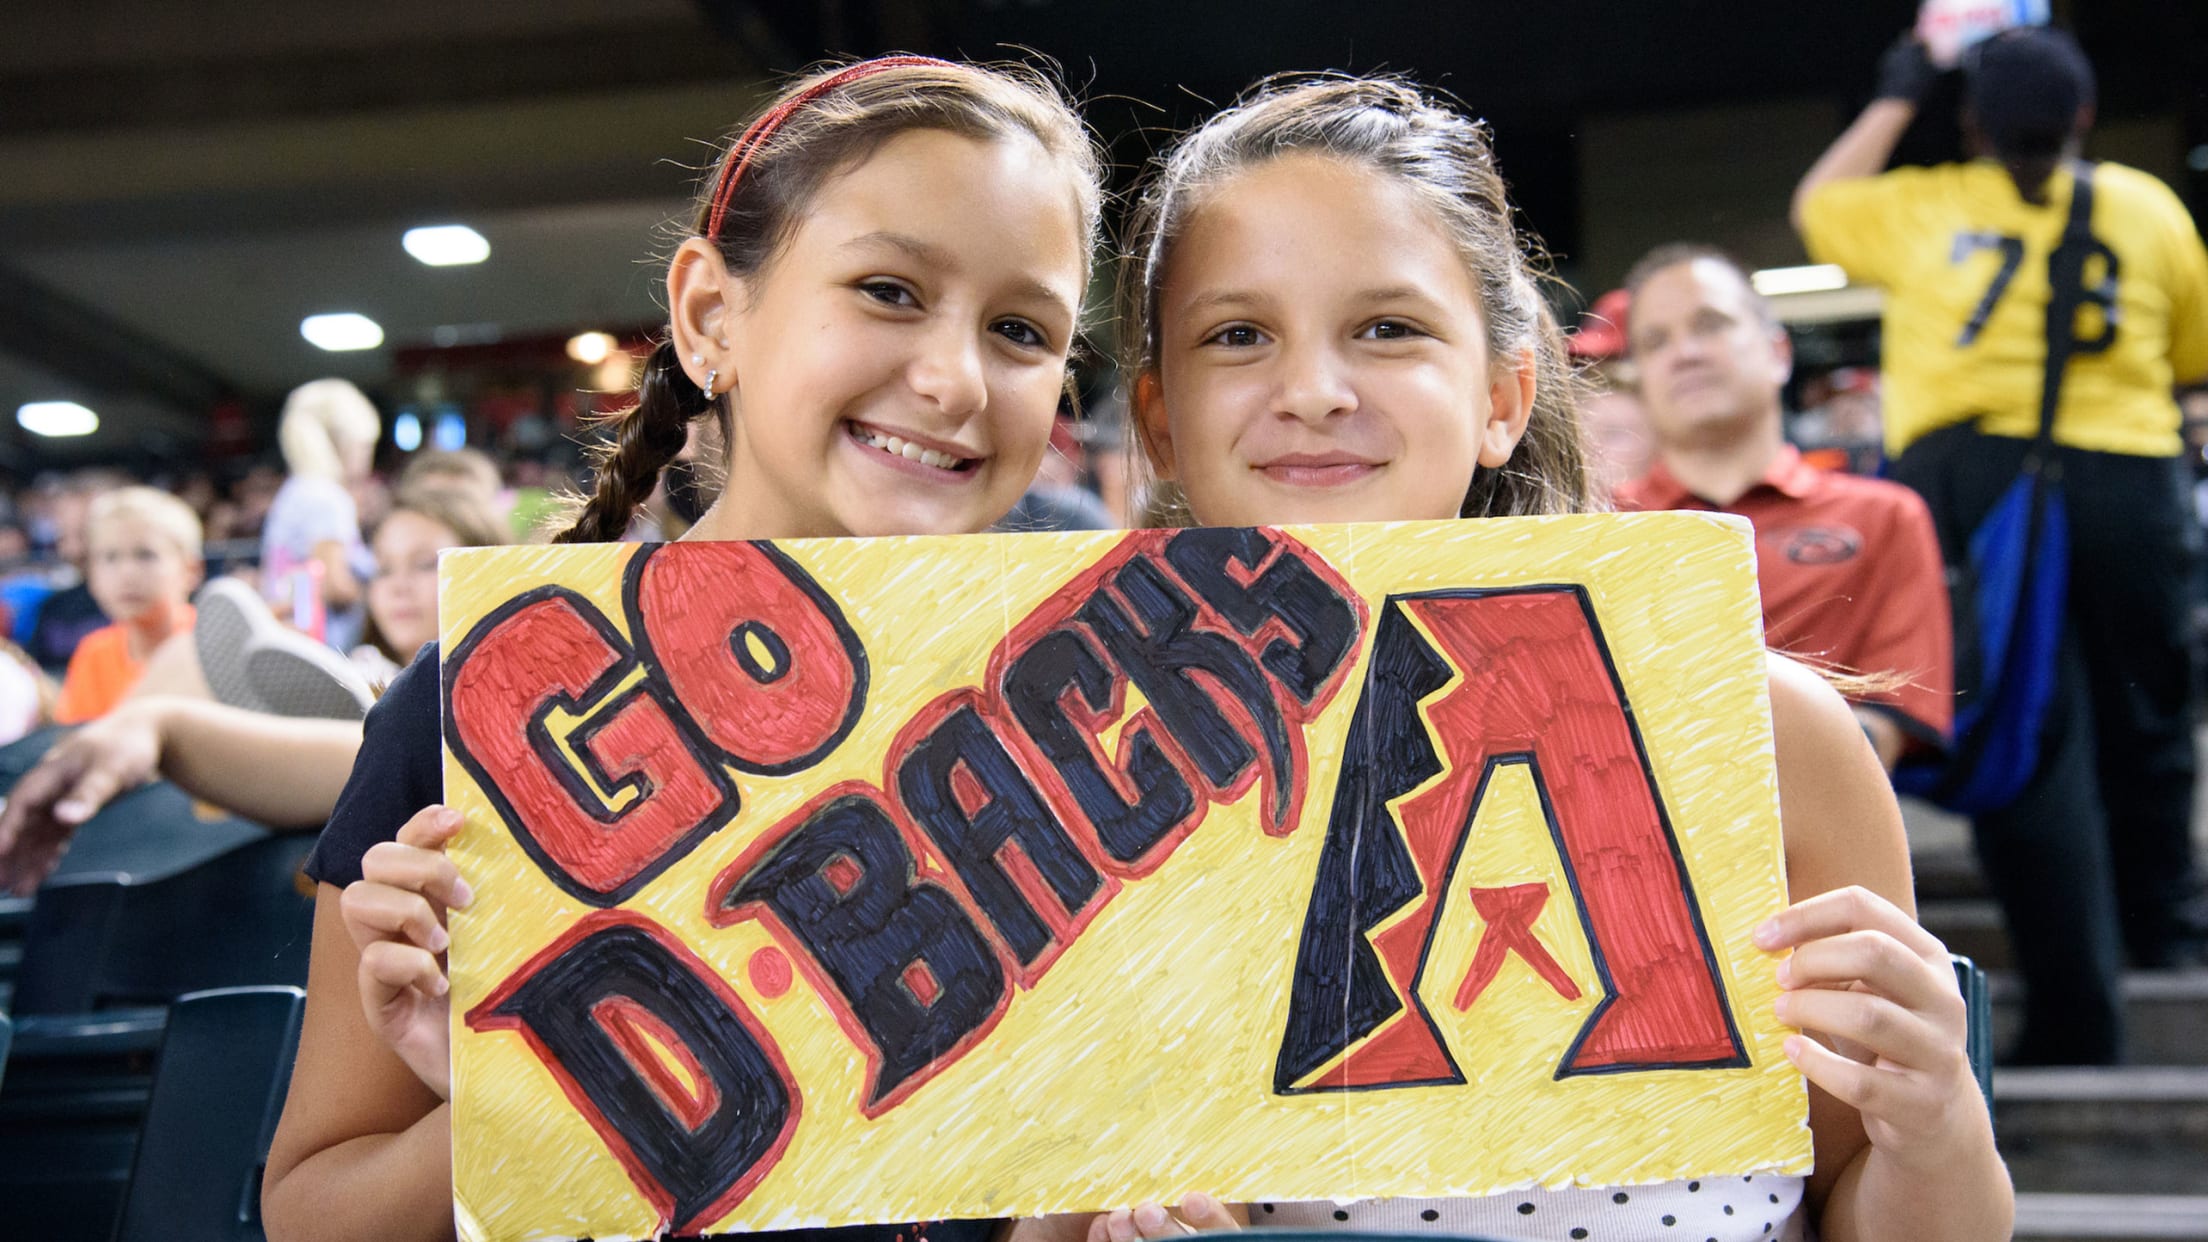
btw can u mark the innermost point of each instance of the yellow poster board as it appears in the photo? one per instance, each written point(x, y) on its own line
point(841, 881)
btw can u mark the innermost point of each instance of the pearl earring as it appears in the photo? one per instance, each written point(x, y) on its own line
point(710, 377)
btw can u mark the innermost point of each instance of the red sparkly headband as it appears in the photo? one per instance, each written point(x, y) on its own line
point(762, 129)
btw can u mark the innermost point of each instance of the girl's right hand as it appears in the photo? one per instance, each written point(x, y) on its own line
point(395, 913)
point(1150, 1222)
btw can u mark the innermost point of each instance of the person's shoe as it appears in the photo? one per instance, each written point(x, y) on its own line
point(297, 676)
point(231, 615)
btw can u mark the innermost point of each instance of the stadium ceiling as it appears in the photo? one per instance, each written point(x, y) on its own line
point(185, 182)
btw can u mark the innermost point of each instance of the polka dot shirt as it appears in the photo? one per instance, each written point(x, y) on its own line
point(1711, 1209)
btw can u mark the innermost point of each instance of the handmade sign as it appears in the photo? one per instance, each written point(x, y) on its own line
point(888, 880)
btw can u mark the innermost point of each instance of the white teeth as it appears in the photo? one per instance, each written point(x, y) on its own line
point(906, 449)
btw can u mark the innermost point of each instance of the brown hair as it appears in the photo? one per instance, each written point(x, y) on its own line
point(820, 125)
point(462, 467)
point(1391, 128)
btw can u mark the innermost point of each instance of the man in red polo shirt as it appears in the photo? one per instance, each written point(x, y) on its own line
point(1850, 567)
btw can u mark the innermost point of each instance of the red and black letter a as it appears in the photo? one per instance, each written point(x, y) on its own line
point(1537, 687)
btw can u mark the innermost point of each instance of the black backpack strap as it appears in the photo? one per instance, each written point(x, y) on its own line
point(2066, 293)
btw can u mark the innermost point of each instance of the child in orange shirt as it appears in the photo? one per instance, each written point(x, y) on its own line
point(143, 565)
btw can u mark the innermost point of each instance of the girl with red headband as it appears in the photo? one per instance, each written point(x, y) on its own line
point(873, 312)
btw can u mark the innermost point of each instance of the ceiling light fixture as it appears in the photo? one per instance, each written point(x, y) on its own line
point(1773, 282)
point(446, 245)
point(56, 419)
point(341, 332)
point(589, 348)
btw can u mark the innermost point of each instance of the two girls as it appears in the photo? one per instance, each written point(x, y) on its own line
point(1335, 321)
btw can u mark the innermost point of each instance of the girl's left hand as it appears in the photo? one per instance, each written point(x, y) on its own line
point(1866, 974)
point(1150, 1222)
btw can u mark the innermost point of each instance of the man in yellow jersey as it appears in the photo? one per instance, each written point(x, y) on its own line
point(2095, 857)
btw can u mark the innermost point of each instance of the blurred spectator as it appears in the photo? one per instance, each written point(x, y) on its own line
point(1849, 568)
point(198, 491)
point(253, 497)
point(1619, 446)
point(402, 596)
point(1600, 337)
point(312, 555)
point(1618, 443)
point(69, 612)
point(145, 561)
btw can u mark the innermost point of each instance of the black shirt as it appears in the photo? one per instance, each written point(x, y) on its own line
point(400, 770)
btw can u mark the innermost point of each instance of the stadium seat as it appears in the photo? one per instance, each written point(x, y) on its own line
point(103, 958)
point(1978, 1033)
point(95, 942)
point(218, 1089)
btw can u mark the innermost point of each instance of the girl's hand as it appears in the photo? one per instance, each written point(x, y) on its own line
point(1152, 1222)
point(80, 774)
point(1866, 974)
point(396, 915)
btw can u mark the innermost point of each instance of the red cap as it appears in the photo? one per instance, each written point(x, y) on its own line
point(1601, 332)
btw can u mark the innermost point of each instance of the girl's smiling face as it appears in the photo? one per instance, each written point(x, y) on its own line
point(894, 367)
point(1321, 355)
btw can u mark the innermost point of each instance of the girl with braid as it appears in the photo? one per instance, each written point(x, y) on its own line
point(874, 311)
point(1333, 318)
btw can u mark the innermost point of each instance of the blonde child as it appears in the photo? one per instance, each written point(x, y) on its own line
point(143, 561)
point(1335, 319)
point(874, 308)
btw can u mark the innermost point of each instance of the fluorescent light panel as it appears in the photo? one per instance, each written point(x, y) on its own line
point(56, 419)
point(1774, 282)
point(341, 331)
point(446, 245)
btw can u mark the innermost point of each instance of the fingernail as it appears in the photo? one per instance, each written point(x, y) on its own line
point(448, 819)
point(1767, 934)
point(444, 985)
point(462, 895)
point(438, 939)
point(71, 811)
point(1197, 1204)
point(1781, 1006)
point(1792, 1046)
point(1786, 972)
point(1149, 1217)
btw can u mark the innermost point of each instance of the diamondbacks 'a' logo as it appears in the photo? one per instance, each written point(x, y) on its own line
point(1460, 685)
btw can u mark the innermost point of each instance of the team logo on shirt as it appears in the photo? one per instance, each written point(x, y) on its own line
point(1818, 545)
